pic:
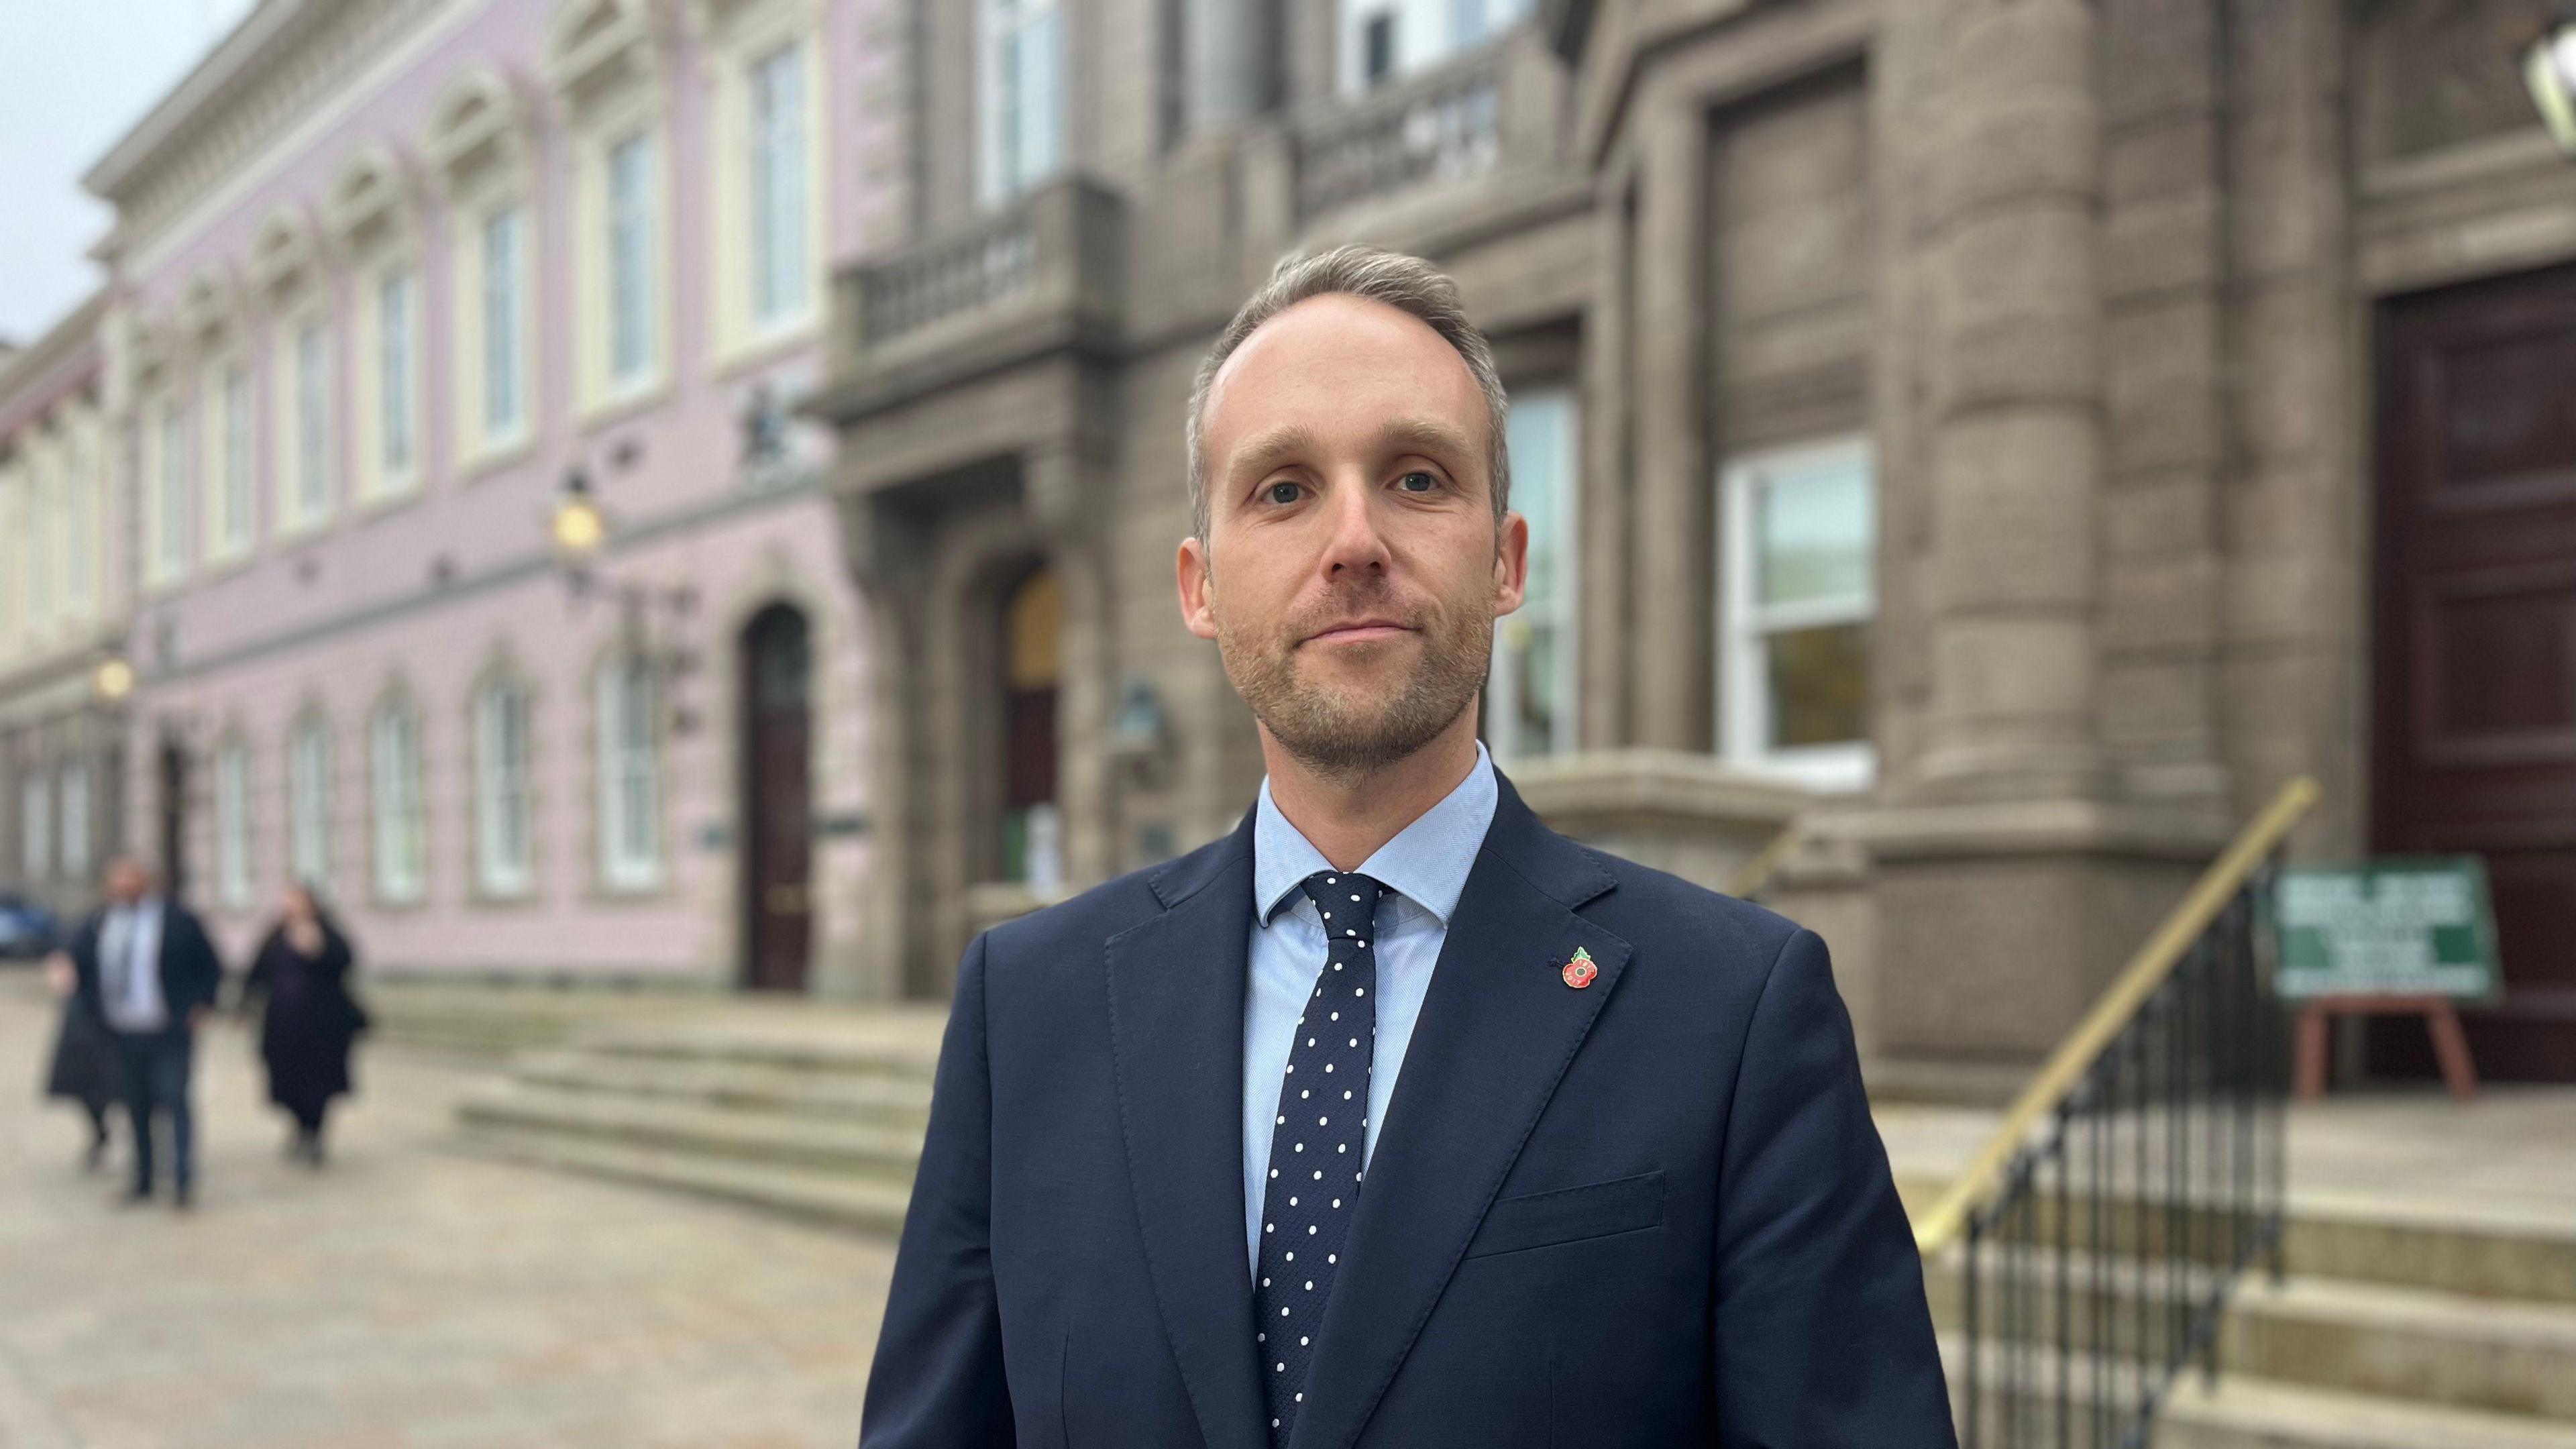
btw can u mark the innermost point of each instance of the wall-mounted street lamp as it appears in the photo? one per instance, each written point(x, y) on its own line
point(112, 680)
point(579, 529)
point(2549, 70)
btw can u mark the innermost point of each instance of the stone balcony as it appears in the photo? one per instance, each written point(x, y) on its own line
point(1494, 110)
point(1044, 274)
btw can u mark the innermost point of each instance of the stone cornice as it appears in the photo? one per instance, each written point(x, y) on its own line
point(257, 83)
point(52, 367)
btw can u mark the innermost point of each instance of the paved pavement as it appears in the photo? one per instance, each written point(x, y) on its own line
point(405, 1297)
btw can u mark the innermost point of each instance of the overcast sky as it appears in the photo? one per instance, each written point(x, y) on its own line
point(73, 77)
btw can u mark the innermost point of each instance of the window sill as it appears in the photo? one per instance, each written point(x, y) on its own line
point(623, 403)
point(764, 347)
point(492, 457)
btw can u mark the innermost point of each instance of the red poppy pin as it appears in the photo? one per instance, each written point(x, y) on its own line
point(1579, 972)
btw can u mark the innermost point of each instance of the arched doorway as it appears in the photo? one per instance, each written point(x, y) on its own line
point(777, 834)
point(174, 816)
point(1032, 828)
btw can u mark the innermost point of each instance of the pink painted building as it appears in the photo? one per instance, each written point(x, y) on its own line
point(482, 576)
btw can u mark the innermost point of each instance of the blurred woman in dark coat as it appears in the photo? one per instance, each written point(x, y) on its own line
point(303, 971)
point(85, 1067)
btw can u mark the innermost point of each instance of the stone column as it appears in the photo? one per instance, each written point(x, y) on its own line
point(2016, 446)
point(1672, 552)
point(1057, 483)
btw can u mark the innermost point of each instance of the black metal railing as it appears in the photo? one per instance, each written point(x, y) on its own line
point(2089, 1258)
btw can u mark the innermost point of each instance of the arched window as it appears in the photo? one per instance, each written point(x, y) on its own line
point(477, 140)
point(233, 826)
point(308, 802)
point(504, 826)
point(401, 827)
point(630, 775)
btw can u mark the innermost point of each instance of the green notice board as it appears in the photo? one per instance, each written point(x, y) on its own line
point(2397, 927)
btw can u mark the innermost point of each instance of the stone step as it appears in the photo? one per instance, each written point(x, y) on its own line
point(2420, 1344)
point(2456, 1248)
point(834, 1199)
point(2245, 1412)
point(896, 1099)
point(906, 1049)
point(885, 1155)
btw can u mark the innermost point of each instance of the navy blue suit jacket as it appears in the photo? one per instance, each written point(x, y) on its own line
point(1650, 1212)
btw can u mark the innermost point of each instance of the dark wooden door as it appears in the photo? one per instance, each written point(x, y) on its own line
point(174, 818)
point(2476, 616)
point(778, 801)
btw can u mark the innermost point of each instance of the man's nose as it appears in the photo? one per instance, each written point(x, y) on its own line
point(1356, 541)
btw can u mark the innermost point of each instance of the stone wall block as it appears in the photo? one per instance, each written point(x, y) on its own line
point(2163, 401)
point(2152, 515)
point(2149, 701)
point(2168, 606)
point(1996, 669)
point(2156, 57)
point(2014, 298)
point(2167, 244)
point(2015, 519)
point(2289, 336)
point(2156, 159)
point(1997, 148)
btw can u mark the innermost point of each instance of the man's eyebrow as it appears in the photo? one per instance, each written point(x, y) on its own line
point(1265, 451)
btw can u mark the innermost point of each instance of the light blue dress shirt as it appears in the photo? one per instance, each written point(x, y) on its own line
point(1424, 868)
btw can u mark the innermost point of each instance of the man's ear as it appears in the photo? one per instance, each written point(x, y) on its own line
point(1197, 579)
point(1511, 563)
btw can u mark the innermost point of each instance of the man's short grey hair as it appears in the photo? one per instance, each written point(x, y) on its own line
point(1408, 284)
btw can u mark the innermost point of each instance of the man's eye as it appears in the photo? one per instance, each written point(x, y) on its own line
point(1417, 481)
point(1282, 493)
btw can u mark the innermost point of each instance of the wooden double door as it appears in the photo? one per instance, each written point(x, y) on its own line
point(2475, 740)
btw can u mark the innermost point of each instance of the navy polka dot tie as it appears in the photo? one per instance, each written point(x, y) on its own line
point(1317, 1144)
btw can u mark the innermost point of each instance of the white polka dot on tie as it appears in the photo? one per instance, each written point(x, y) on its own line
point(1292, 1257)
point(1301, 1343)
point(1265, 1282)
point(1301, 1146)
point(1328, 1066)
point(1332, 1257)
point(1292, 1202)
point(1355, 991)
point(1355, 898)
point(1274, 1172)
point(1301, 1398)
point(1355, 1041)
point(1282, 1122)
point(1337, 1202)
point(1319, 1174)
point(1363, 945)
point(1337, 1016)
point(1310, 1285)
point(1345, 1147)
point(1350, 933)
point(1323, 1121)
point(1310, 1232)
point(1346, 1096)
point(1310, 1041)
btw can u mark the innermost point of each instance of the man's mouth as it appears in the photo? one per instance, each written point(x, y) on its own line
point(1356, 631)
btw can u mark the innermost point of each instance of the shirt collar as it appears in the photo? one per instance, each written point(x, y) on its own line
point(1426, 863)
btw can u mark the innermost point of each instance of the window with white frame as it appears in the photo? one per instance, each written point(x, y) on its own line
point(233, 826)
point(1529, 707)
point(397, 379)
point(308, 802)
point(774, 100)
point(308, 409)
point(401, 827)
point(630, 776)
point(228, 461)
point(76, 845)
point(1384, 39)
point(503, 827)
point(36, 826)
point(503, 316)
point(40, 547)
point(1799, 572)
point(81, 489)
point(631, 261)
point(170, 495)
point(1019, 96)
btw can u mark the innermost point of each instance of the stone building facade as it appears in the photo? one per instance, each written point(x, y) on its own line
point(64, 599)
point(2010, 439)
point(483, 578)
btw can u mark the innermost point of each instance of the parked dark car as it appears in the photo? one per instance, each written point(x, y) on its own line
point(26, 928)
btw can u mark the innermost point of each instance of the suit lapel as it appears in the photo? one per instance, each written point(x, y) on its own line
point(1176, 1002)
point(1496, 1033)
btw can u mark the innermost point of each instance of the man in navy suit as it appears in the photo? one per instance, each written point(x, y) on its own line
point(145, 967)
point(1393, 1118)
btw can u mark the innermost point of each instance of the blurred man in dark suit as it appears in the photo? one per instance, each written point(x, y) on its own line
point(146, 968)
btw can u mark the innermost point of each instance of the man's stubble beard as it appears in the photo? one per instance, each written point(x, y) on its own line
point(1337, 735)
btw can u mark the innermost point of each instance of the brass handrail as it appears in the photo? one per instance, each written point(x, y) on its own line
point(1749, 878)
point(2129, 991)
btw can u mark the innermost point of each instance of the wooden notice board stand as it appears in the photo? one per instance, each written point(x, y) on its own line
point(2441, 1019)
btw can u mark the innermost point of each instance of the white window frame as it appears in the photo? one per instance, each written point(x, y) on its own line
point(1560, 613)
point(168, 492)
point(233, 848)
point(228, 413)
point(305, 436)
point(1744, 623)
point(308, 801)
point(77, 848)
point(484, 435)
point(36, 825)
point(504, 807)
point(1019, 140)
point(626, 695)
point(84, 485)
point(605, 388)
point(400, 824)
point(388, 375)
